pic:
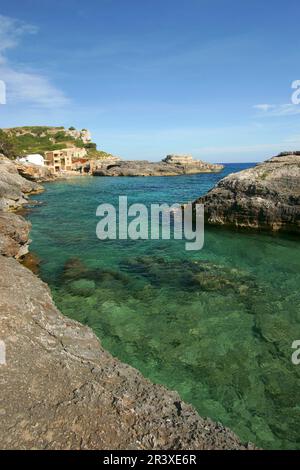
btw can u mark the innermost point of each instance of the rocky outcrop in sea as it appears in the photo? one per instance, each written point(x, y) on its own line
point(265, 197)
point(172, 165)
point(59, 388)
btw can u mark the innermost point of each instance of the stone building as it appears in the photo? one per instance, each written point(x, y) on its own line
point(62, 160)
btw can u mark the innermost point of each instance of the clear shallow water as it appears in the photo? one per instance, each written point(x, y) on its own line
point(216, 325)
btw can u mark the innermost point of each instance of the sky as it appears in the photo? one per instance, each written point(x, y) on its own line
point(211, 78)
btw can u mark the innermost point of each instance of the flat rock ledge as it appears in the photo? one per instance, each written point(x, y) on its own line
point(265, 197)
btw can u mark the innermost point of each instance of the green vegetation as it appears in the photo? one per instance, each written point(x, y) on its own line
point(91, 145)
point(28, 143)
point(38, 130)
point(94, 154)
point(7, 145)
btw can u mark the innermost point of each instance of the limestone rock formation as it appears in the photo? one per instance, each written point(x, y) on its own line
point(265, 197)
point(84, 134)
point(170, 166)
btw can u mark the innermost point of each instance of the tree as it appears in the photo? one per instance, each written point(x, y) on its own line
point(7, 145)
point(90, 145)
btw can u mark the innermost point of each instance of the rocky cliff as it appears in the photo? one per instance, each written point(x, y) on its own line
point(59, 388)
point(265, 197)
point(14, 235)
point(170, 166)
point(13, 187)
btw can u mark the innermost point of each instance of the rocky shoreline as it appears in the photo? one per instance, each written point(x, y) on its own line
point(265, 197)
point(60, 388)
point(172, 165)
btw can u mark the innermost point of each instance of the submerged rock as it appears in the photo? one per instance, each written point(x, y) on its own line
point(74, 268)
point(83, 287)
point(191, 275)
point(32, 262)
point(264, 197)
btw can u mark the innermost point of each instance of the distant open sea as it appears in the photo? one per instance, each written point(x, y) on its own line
point(216, 325)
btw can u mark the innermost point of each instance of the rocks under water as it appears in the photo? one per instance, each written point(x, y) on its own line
point(206, 330)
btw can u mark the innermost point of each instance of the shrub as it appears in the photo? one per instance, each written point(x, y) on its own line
point(7, 145)
point(90, 145)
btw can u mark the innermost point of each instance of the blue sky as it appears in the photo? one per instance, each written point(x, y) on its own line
point(207, 77)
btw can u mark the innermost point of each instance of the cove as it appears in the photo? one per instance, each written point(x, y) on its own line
point(217, 325)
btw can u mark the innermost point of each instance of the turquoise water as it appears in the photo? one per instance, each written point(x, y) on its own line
point(216, 325)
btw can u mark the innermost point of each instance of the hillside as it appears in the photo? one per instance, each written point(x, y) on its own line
point(18, 141)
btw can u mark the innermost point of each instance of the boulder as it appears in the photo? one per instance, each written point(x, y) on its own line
point(14, 234)
point(265, 197)
point(13, 187)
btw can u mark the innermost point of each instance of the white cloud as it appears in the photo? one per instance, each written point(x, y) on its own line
point(34, 89)
point(287, 109)
point(24, 86)
point(263, 107)
point(10, 31)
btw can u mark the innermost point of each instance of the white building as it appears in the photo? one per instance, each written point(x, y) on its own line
point(35, 159)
